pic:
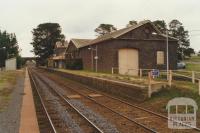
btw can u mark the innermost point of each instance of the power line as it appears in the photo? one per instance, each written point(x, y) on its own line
point(194, 35)
point(193, 30)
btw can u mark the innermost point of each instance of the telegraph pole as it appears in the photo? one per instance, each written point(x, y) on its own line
point(167, 52)
point(96, 58)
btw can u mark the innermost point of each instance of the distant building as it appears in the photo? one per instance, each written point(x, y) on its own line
point(140, 46)
point(11, 64)
point(58, 60)
point(74, 47)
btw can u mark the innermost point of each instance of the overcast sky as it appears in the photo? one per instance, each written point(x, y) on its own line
point(79, 18)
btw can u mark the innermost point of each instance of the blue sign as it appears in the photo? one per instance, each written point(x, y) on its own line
point(155, 73)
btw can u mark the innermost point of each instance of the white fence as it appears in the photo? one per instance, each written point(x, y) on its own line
point(192, 76)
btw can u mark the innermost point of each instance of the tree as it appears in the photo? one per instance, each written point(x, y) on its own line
point(188, 52)
point(198, 53)
point(45, 37)
point(131, 23)
point(161, 25)
point(102, 29)
point(8, 47)
point(176, 29)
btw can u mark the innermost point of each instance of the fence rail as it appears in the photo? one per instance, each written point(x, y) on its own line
point(168, 76)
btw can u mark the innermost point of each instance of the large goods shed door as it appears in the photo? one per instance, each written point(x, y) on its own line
point(128, 61)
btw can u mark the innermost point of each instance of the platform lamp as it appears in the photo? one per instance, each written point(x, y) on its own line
point(92, 56)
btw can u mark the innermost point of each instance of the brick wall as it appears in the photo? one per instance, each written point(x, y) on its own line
point(145, 42)
point(121, 90)
point(108, 54)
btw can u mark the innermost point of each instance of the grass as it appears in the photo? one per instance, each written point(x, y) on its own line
point(192, 63)
point(187, 89)
point(160, 99)
point(193, 67)
point(193, 59)
point(7, 81)
point(117, 77)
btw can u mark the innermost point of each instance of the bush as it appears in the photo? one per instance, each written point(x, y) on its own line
point(20, 62)
point(74, 64)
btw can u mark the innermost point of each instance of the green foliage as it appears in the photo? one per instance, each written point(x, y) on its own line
point(189, 51)
point(198, 53)
point(177, 30)
point(175, 92)
point(20, 62)
point(45, 37)
point(74, 64)
point(161, 25)
point(8, 47)
point(105, 28)
point(131, 23)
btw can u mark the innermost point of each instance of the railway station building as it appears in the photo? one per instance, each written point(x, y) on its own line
point(58, 59)
point(140, 46)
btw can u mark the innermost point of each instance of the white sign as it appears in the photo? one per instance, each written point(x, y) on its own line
point(155, 73)
point(182, 113)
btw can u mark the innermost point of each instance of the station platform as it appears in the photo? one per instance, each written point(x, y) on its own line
point(28, 120)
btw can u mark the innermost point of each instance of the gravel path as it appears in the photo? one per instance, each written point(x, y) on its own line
point(10, 118)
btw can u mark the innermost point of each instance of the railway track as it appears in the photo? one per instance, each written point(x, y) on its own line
point(130, 124)
point(58, 119)
point(143, 117)
point(44, 120)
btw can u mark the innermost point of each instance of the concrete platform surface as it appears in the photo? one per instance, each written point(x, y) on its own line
point(28, 121)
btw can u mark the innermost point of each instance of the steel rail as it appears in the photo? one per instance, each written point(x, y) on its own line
point(42, 102)
point(67, 101)
point(148, 111)
point(143, 109)
point(118, 113)
point(138, 107)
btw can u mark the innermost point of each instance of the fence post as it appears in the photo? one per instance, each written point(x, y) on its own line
point(149, 85)
point(193, 77)
point(140, 73)
point(199, 86)
point(170, 78)
point(112, 70)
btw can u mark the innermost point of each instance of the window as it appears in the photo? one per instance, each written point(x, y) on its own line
point(160, 57)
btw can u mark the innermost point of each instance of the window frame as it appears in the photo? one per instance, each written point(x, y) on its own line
point(158, 57)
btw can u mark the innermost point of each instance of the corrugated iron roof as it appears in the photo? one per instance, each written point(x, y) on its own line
point(120, 32)
point(81, 42)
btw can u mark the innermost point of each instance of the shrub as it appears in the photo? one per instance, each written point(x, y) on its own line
point(74, 64)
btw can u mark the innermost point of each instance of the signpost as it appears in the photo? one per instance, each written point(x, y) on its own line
point(155, 73)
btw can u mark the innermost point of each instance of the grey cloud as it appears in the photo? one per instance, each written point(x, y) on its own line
point(79, 18)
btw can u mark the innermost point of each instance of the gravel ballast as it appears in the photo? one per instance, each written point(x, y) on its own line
point(97, 119)
point(67, 120)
